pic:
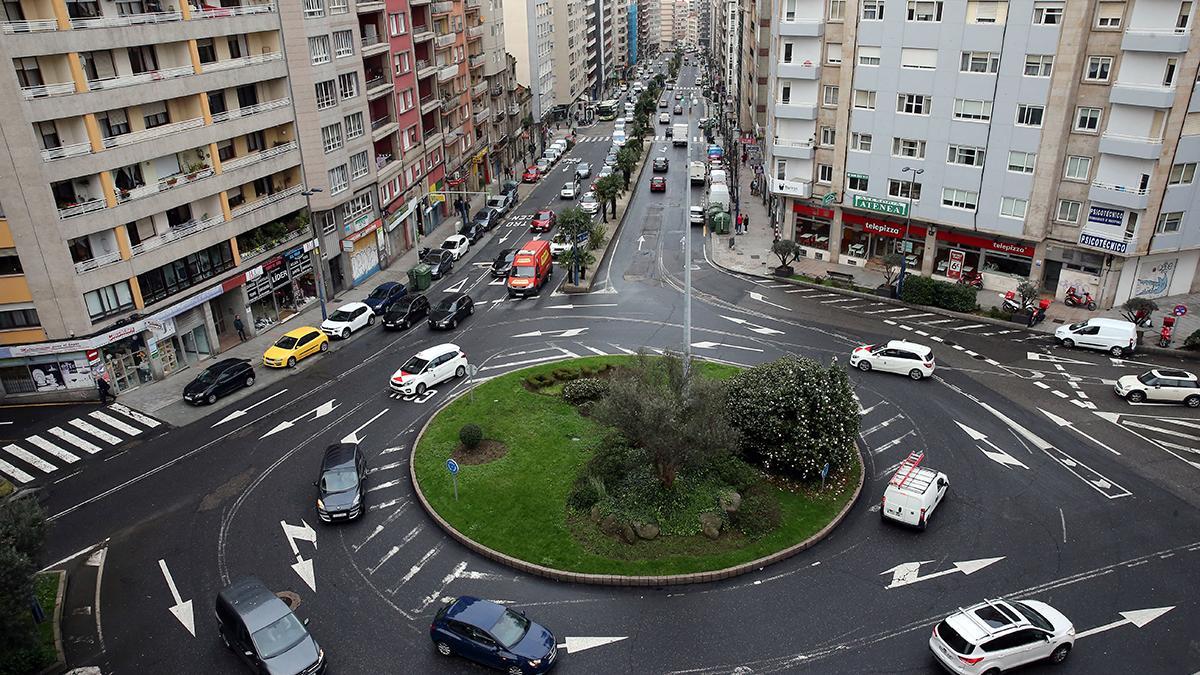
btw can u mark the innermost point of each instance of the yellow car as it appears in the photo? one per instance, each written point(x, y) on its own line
point(295, 345)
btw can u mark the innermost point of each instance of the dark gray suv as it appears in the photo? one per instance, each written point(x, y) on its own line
point(258, 627)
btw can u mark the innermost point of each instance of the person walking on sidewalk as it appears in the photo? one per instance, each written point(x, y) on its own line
point(239, 327)
point(103, 387)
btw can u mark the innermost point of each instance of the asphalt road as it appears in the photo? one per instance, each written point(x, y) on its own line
point(1095, 515)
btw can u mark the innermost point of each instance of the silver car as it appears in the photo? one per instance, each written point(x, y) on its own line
point(590, 203)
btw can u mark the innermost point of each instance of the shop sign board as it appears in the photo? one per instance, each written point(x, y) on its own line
point(1103, 215)
point(1103, 243)
point(957, 260)
point(1025, 250)
point(888, 206)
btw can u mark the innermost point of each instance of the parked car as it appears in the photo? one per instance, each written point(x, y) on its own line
point(664, 118)
point(492, 635)
point(406, 311)
point(569, 190)
point(543, 165)
point(452, 309)
point(583, 170)
point(1107, 335)
point(349, 318)
point(501, 203)
point(590, 203)
point(895, 356)
point(696, 215)
point(384, 295)
point(605, 172)
point(428, 368)
point(473, 231)
point(560, 244)
point(662, 103)
point(221, 378)
point(658, 184)
point(552, 154)
point(341, 485)
point(669, 133)
point(456, 244)
point(503, 263)
point(510, 188)
point(543, 221)
point(661, 164)
point(532, 174)
point(678, 97)
point(487, 218)
point(440, 261)
point(1163, 384)
point(294, 346)
point(264, 633)
point(996, 635)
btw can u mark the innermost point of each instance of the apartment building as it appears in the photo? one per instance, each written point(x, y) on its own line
point(679, 22)
point(648, 29)
point(570, 52)
point(704, 28)
point(624, 26)
point(666, 25)
point(529, 36)
point(886, 125)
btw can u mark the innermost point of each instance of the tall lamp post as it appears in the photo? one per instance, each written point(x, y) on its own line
point(907, 221)
point(312, 222)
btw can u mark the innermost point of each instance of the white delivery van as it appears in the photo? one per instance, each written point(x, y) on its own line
point(913, 493)
point(717, 177)
point(719, 194)
point(679, 134)
point(1114, 336)
point(696, 171)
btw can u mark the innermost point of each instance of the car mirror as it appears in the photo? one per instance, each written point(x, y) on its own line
point(314, 483)
point(249, 654)
point(306, 621)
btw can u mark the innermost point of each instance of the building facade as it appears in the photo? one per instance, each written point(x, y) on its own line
point(529, 36)
point(571, 37)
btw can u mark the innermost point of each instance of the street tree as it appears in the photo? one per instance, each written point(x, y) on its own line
point(794, 416)
point(627, 160)
point(678, 419)
point(1133, 307)
point(572, 222)
point(1028, 292)
point(891, 268)
point(787, 250)
point(608, 189)
point(22, 533)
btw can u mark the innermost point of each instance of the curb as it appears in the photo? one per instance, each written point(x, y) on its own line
point(61, 662)
point(617, 579)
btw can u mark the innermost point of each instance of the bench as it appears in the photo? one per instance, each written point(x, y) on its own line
point(845, 277)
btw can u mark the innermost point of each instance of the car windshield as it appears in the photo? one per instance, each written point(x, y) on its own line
point(340, 315)
point(1146, 378)
point(449, 244)
point(338, 480)
point(433, 257)
point(510, 628)
point(523, 272)
point(1034, 617)
point(414, 365)
point(286, 342)
point(495, 201)
point(380, 293)
point(400, 306)
point(1077, 326)
point(279, 637)
point(543, 215)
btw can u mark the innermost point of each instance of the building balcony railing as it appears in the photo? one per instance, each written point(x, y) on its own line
point(175, 234)
point(433, 139)
point(239, 10)
point(793, 148)
point(153, 132)
point(249, 110)
point(497, 91)
point(473, 4)
point(126, 20)
point(380, 123)
point(227, 64)
point(161, 185)
point(443, 7)
point(501, 112)
point(140, 78)
point(243, 209)
point(367, 6)
point(479, 88)
point(448, 73)
point(35, 26)
point(86, 206)
point(97, 262)
point(483, 115)
point(47, 90)
point(1145, 95)
point(418, 3)
point(475, 32)
point(378, 86)
point(64, 151)
point(450, 103)
point(476, 61)
point(1129, 197)
point(430, 103)
point(512, 85)
point(255, 158)
point(422, 33)
point(514, 109)
point(444, 40)
point(426, 68)
point(1163, 40)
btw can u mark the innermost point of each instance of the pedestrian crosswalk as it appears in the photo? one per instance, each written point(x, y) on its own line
point(45, 453)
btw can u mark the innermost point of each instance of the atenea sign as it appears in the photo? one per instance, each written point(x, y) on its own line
point(888, 206)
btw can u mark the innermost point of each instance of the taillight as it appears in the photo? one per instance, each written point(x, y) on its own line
point(970, 661)
point(883, 502)
point(922, 514)
point(929, 365)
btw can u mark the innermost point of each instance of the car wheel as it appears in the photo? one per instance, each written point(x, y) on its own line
point(291, 362)
point(1116, 351)
point(250, 381)
point(1060, 654)
point(371, 320)
point(420, 388)
point(1136, 397)
point(1192, 401)
point(1068, 343)
point(864, 365)
point(324, 347)
point(453, 324)
point(444, 649)
point(345, 333)
point(915, 374)
point(993, 671)
point(212, 398)
point(460, 371)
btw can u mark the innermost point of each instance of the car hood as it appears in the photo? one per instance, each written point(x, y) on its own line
point(439, 314)
point(501, 266)
point(373, 303)
point(1124, 382)
point(274, 352)
point(339, 501)
point(294, 660)
point(196, 387)
point(536, 644)
point(1060, 622)
point(330, 324)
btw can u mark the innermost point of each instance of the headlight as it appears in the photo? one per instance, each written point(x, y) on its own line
point(534, 663)
point(320, 505)
point(357, 499)
point(320, 653)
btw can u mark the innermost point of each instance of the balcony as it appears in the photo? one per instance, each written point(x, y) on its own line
point(443, 41)
point(791, 188)
point(473, 4)
point(434, 140)
point(802, 28)
point(501, 113)
point(514, 109)
point(475, 32)
point(799, 71)
point(378, 86)
point(97, 262)
point(483, 115)
point(426, 68)
point(422, 33)
point(229, 64)
point(1128, 197)
point(243, 209)
point(450, 103)
point(418, 3)
point(512, 86)
point(373, 44)
point(1145, 95)
point(796, 111)
point(478, 89)
point(127, 20)
point(175, 234)
point(1165, 40)
point(793, 148)
point(64, 151)
point(139, 78)
point(35, 26)
point(240, 10)
point(1138, 147)
point(238, 113)
point(247, 160)
point(162, 185)
point(429, 104)
point(497, 91)
point(442, 7)
point(476, 61)
point(382, 127)
point(448, 73)
point(369, 6)
point(154, 132)
point(85, 206)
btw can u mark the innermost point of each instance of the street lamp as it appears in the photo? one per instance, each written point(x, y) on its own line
point(907, 221)
point(320, 257)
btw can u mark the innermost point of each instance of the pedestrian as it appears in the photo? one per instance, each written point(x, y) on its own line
point(103, 386)
point(743, 159)
point(239, 327)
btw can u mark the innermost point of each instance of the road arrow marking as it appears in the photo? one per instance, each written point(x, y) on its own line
point(574, 645)
point(1050, 358)
point(760, 298)
point(641, 240)
point(1132, 364)
point(456, 288)
point(238, 413)
point(1138, 618)
point(182, 608)
point(909, 573)
point(302, 567)
point(610, 304)
point(762, 330)
point(714, 345)
point(570, 332)
point(995, 454)
point(353, 436)
point(320, 411)
point(1066, 423)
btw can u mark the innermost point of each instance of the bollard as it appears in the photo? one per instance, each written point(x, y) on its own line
point(731, 241)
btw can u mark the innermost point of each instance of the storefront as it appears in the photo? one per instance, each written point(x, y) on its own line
point(363, 249)
point(47, 373)
point(869, 238)
point(1157, 276)
point(280, 287)
point(401, 225)
point(1003, 263)
point(1067, 266)
point(811, 228)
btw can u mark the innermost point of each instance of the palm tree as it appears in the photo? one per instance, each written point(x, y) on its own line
point(571, 223)
point(627, 159)
point(607, 189)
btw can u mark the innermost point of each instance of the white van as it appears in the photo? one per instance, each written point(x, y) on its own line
point(719, 194)
point(696, 171)
point(913, 493)
point(717, 177)
point(1114, 336)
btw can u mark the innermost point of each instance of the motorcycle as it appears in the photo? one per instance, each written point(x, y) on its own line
point(1013, 304)
point(1076, 298)
point(971, 279)
point(1164, 335)
point(1141, 319)
point(1039, 315)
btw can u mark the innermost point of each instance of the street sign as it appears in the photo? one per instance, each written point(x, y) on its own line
point(452, 466)
point(824, 474)
point(957, 260)
point(1180, 310)
point(828, 199)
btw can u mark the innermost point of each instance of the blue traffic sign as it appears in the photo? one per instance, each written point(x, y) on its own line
point(825, 471)
point(452, 466)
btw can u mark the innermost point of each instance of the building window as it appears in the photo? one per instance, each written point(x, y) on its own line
point(985, 11)
point(1029, 115)
point(318, 49)
point(785, 93)
point(833, 53)
point(1098, 68)
point(980, 62)
point(857, 182)
point(825, 174)
point(1169, 222)
point(109, 300)
point(338, 7)
point(1182, 174)
point(328, 222)
point(864, 100)
point(868, 56)
point(354, 125)
point(326, 96)
point(314, 8)
point(860, 142)
point(331, 136)
point(965, 155)
point(358, 165)
point(913, 104)
point(969, 109)
point(337, 180)
point(829, 96)
point(1047, 13)
point(908, 147)
point(407, 100)
point(1185, 15)
point(357, 206)
point(924, 10)
point(1021, 162)
point(348, 85)
point(1011, 207)
point(397, 24)
point(828, 136)
point(1109, 14)
point(1038, 65)
point(182, 274)
point(904, 189)
point(343, 43)
point(872, 10)
point(960, 199)
point(837, 10)
point(19, 318)
point(1078, 168)
point(920, 59)
point(1169, 72)
point(1068, 211)
point(1087, 120)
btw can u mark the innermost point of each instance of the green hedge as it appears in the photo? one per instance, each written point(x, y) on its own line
point(926, 291)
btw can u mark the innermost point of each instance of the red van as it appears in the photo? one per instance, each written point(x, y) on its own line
point(531, 268)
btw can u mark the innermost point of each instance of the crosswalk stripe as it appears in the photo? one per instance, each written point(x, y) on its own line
point(93, 430)
point(114, 422)
point(90, 448)
point(52, 449)
point(14, 473)
point(30, 458)
point(133, 414)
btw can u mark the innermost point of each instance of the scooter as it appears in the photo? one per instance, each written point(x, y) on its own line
point(1141, 319)
point(1075, 298)
point(1012, 304)
point(971, 279)
point(1164, 335)
point(1039, 315)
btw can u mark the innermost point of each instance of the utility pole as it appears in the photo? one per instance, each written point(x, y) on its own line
point(312, 222)
point(907, 221)
point(687, 265)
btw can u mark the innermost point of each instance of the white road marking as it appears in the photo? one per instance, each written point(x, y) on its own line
point(834, 302)
point(622, 349)
point(894, 442)
point(114, 422)
point(968, 326)
point(135, 415)
point(412, 572)
point(968, 352)
point(385, 505)
point(14, 473)
point(913, 316)
point(881, 425)
point(921, 332)
point(889, 322)
point(888, 311)
point(940, 321)
point(384, 485)
point(385, 467)
point(30, 458)
point(936, 338)
point(52, 449)
point(93, 430)
point(598, 352)
point(1043, 385)
point(994, 362)
point(86, 446)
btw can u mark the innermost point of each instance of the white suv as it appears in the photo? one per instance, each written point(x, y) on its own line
point(996, 635)
point(1176, 386)
point(429, 368)
point(897, 356)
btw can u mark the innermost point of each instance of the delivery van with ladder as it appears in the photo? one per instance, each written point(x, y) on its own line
point(914, 492)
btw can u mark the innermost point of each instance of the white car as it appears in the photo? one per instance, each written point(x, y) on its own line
point(552, 154)
point(569, 191)
point(664, 118)
point(619, 125)
point(896, 356)
point(696, 215)
point(590, 203)
point(347, 319)
point(618, 138)
point(560, 244)
point(457, 244)
point(1164, 384)
point(428, 368)
point(996, 635)
point(629, 118)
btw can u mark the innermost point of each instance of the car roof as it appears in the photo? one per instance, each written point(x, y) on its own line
point(549, 211)
point(387, 284)
point(437, 350)
point(910, 346)
point(339, 454)
point(1104, 321)
point(351, 306)
point(475, 611)
point(254, 603)
point(986, 619)
point(1173, 373)
point(300, 332)
point(226, 364)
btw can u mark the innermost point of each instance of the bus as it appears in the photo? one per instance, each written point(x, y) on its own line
point(607, 110)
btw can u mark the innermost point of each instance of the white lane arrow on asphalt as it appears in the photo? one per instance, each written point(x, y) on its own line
point(1067, 423)
point(909, 573)
point(574, 645)
point(759, 297)
point(714, 345)
point(1138, 618)
point(1132, 364)
point(302, 567)
point(761, 330)
point(504, 238)
point(609, 304)
point(317, 413)
point(456, 288)
point(239, 413)
point(1050, 358)
point(353, 436)
point(570, 332)
point(641, 240)
point(182, 608)
point(995, 454)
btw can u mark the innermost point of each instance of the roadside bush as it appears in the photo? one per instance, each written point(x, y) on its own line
point(539, 381)
point(734, 472)
point(926, 291)
point(583, 390)
point(470, 435)
point(565, 374)
point(584, 494)
point(759, 513)
point(1192, 341)
point(610, 462)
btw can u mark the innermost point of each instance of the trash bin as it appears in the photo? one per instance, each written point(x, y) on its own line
point(718, 220)
point(412, 279)
point(424, 277)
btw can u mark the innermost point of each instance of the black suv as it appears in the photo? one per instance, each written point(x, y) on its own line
point(223, 377)
point(258, 627)
point(341, 487)
point(661, 164)
point(406, 311)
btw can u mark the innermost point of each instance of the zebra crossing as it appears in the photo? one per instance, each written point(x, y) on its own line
point(61, 447)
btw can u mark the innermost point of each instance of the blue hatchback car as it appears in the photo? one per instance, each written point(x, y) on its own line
point(493, 635)
point(384, 295)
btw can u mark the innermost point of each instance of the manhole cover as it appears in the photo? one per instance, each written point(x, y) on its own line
point(289, 598)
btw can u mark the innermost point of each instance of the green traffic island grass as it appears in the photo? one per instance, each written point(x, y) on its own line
point(518, 504)
point(41, 653)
